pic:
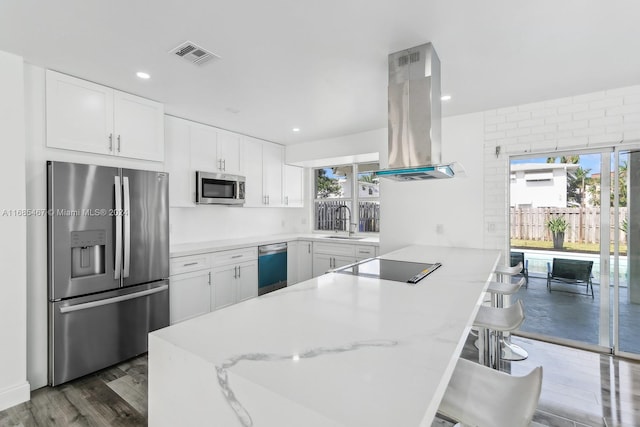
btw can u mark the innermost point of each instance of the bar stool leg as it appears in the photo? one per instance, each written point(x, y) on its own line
point(509, 351)
point(484, 344)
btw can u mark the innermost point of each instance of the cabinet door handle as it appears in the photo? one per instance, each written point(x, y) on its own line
point(286, 200)
point(118, 143)
point(309, 247)
point(219, 164)
point(224, 164)
point(209, 278)
point(235, 272)
point(237, 256)
point(189, 263)
point(110, 142)
point(267, 199)
point(239, 271)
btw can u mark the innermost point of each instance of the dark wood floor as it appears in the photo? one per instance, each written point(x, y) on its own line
point(116, 396)
point(579, 388)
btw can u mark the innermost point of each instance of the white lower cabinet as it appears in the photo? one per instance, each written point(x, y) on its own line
point(189, 287)
point(299, 261)
point(364, 251)
point(234, 276)
point(329, 256)
point(224, 286)
point(324, 262)
point(305, 260)
point(206, 282)
point(247, 280)
point(292, 263)
point(189, 295)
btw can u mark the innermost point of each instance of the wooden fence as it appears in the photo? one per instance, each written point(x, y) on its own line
point(329, 217)
point(583, 224)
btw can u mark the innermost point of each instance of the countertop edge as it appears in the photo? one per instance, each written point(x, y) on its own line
point(196, 248)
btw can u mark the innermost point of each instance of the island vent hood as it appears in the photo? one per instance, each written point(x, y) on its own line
point(414, 116)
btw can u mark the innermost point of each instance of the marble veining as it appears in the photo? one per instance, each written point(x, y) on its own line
point(241, 412)
point(431, 321)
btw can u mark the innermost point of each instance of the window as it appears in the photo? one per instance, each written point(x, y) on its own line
point(335, 187)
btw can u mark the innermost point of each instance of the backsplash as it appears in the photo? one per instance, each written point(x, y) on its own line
point(204, 223)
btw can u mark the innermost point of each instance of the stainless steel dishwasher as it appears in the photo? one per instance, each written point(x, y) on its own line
point(272, 267)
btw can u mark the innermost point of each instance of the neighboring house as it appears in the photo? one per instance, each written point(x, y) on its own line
point(537, 185)
point(368, 189)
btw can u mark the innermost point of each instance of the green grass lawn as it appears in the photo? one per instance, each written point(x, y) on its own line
point(568, 246)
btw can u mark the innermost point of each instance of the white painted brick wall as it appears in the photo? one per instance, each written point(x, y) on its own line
point(583, 121)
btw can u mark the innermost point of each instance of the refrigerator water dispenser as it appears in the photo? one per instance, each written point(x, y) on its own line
point(87, 253)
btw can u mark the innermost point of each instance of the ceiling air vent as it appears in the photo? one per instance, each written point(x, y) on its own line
point(193, 53)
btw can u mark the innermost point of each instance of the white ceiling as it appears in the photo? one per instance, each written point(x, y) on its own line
point(322, 65)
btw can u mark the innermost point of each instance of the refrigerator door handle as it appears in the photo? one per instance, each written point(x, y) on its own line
point(127, 227)
point(118, 198)
point(93, 304)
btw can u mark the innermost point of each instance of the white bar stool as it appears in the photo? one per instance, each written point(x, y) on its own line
point(510, 351)
point(492, 321)
point(478, 396)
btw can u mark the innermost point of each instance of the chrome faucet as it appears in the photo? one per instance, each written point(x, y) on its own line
point(349, 224)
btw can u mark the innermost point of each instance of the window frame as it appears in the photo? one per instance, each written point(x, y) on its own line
point(353, 202)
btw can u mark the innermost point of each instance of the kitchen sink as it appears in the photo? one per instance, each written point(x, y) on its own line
point(344, 237)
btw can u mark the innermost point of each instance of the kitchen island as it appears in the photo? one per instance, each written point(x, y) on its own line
point(336, 350)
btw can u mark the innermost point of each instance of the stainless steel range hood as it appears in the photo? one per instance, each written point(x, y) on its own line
point(414, 116)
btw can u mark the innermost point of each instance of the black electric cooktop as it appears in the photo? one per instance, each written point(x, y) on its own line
point(399, 271)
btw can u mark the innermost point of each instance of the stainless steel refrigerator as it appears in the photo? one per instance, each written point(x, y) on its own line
point(108, 265)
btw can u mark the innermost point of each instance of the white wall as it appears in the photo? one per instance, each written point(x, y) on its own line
point(14, 388)
point(592, 120)
point(411, 211)
point(204, 223)
point(445, 212)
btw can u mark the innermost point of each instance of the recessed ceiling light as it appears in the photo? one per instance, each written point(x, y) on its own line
point(296, 129)
point(445, 97)
point(143, 75)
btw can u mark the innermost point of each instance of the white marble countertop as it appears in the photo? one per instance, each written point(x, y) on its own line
point(195, 248)
point(337, 350)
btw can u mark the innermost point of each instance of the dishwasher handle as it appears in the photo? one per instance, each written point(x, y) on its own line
point(275, 248)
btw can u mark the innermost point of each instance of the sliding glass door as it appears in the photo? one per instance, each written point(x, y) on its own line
point(626, 310)
point(561, 221)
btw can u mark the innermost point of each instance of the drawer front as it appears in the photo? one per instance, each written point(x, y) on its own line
point(342, 249)
point(234, 257)
point(185, 264)
point(365, 251)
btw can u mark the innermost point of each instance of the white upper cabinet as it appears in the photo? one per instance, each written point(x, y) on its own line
point(204, 148)
point(229, 152)
point(293, 186)
point(192, 147)
point(214, 150)
point(272, 165)
point(252, 170)
point(79, 115)
point(138, 127)
point(85, 116)
point(177, 163)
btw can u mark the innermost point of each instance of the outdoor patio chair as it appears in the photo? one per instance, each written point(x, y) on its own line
point(570, 271)
point(517, 257)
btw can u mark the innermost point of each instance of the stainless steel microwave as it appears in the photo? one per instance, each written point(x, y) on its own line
point(219, 189)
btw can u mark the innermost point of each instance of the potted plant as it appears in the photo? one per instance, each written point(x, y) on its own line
point(557, 225)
